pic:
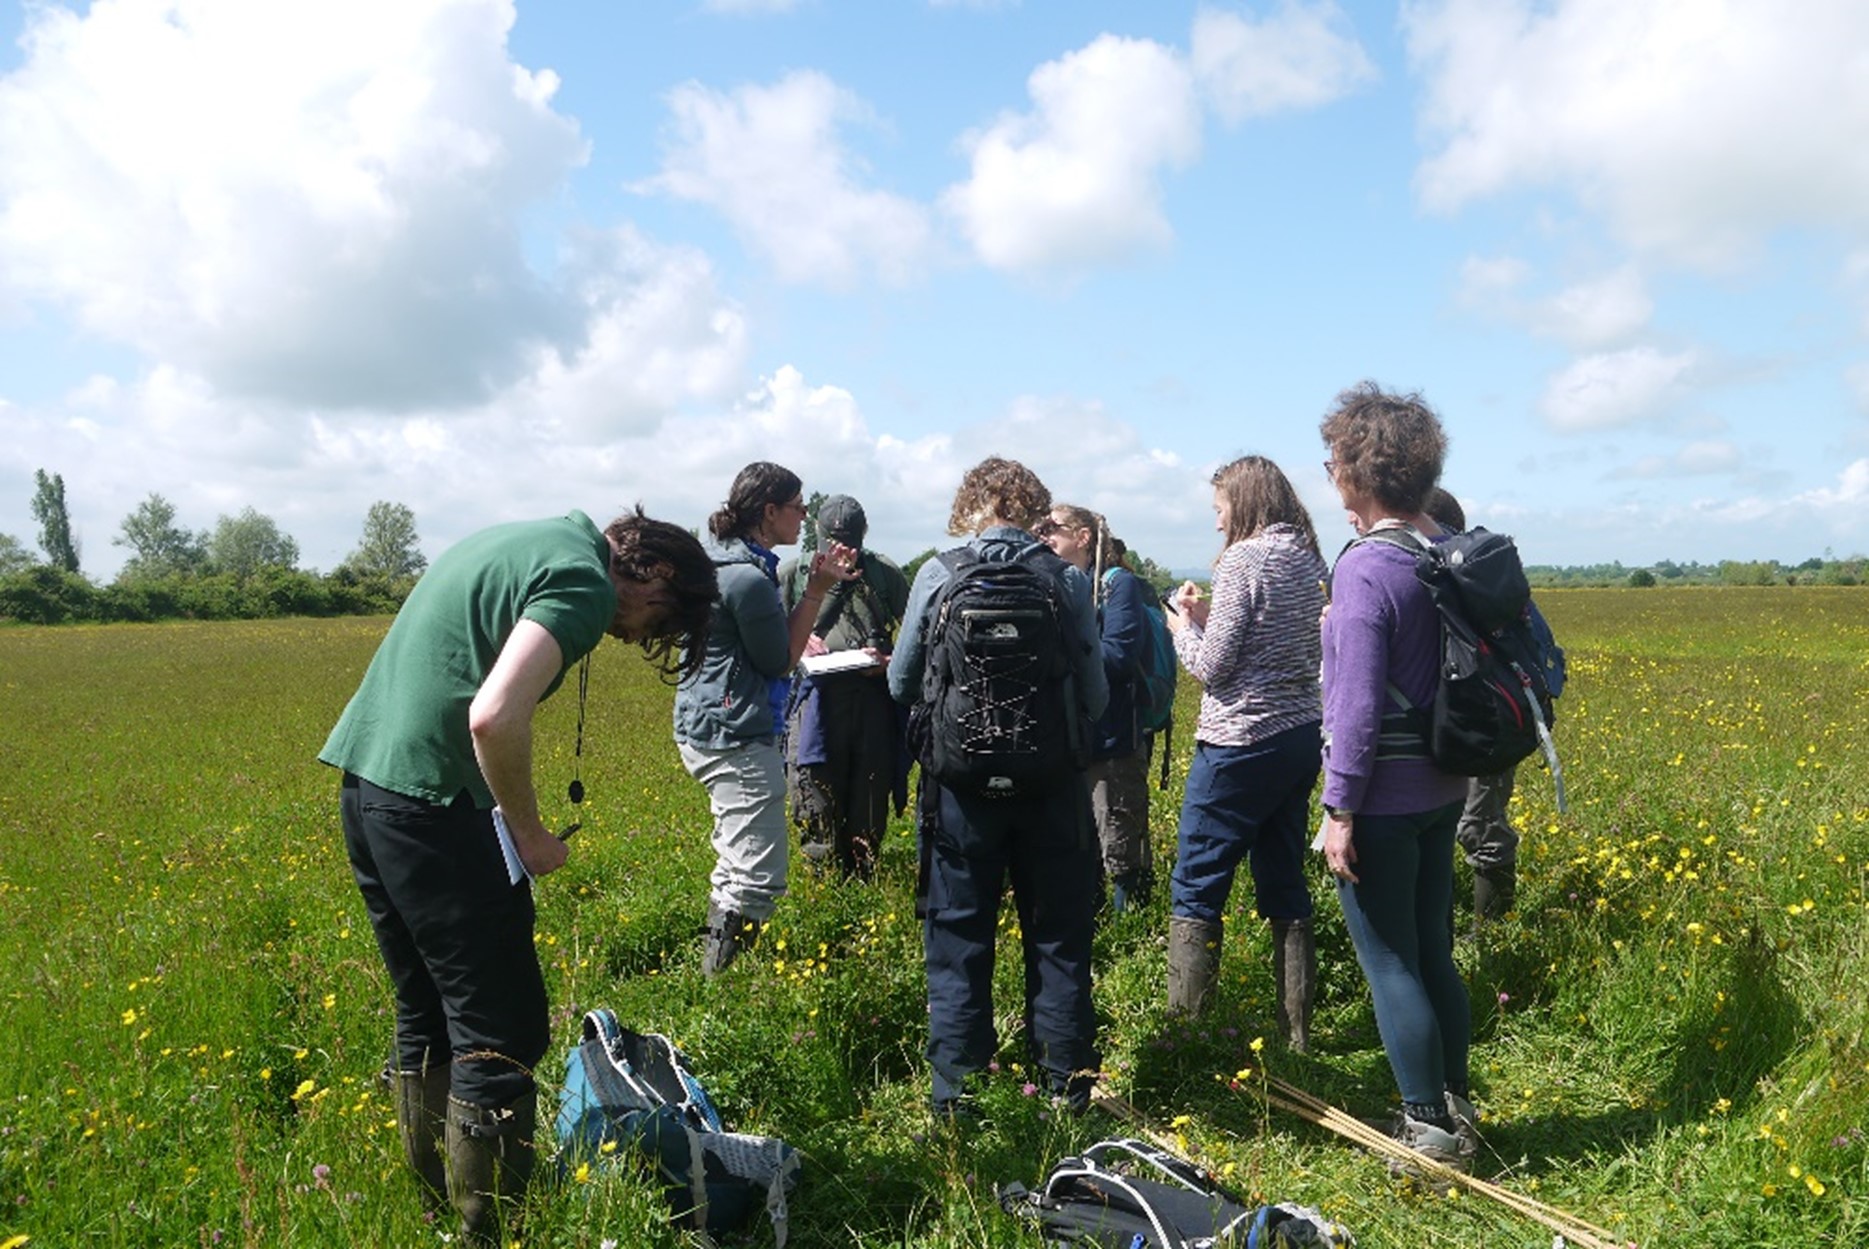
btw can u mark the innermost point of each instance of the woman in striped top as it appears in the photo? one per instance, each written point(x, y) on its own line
point(1254, 648)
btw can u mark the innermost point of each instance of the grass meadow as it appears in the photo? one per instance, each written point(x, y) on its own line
point(1670, 1029)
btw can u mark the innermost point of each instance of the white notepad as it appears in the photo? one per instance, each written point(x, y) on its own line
point(838, 661)
point(515, 866)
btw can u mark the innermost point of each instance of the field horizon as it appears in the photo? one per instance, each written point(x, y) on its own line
point(1669, 1029)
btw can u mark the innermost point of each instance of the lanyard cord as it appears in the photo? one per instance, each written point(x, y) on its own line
point(576, 790)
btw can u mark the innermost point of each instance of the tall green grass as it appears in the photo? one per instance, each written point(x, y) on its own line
point(1670, 1028)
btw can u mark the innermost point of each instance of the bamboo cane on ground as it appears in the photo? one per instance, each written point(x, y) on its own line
point(1296, 1101)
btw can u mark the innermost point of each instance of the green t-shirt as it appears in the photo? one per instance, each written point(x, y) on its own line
point(406, 726)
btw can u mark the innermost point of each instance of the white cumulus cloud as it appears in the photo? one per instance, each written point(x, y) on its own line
point(1611, 389)
point(1603, 311)
point(1693, 128)
point(771, 160)
point(1704, 458)
point(1302, 56)
point(1077, 180)
point(316, 202)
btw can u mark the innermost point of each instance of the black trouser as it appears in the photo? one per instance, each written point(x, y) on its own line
point(456, 937)
point(844, 801)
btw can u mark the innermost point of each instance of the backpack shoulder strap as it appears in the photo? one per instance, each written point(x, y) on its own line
point(959, 559)
point(1405, 537)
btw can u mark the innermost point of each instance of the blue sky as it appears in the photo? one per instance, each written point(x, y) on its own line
point(496, 259)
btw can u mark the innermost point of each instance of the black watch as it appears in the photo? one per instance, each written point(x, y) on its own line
point(1339, 813)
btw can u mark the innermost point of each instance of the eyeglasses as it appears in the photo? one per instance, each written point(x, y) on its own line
point(796, 505)
point(1330, 469)
point(1046, 527)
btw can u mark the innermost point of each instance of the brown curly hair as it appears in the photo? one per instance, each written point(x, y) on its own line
point(650, 550)
point(1002, 488)
point(1259, 494)
point(1386, 446)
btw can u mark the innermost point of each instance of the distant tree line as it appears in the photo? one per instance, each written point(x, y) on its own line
point(1818, 570)
point(244, 567)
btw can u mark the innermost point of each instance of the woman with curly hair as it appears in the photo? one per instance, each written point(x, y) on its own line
point(1390, 813)
point(971, 845)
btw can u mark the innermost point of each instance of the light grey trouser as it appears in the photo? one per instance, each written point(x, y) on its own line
point(746, 792)
point(1485, 832)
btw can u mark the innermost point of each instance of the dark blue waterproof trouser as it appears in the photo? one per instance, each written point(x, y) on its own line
point(1397, 917)
point(456, 937)
point(1247, 802)
point(970, 847)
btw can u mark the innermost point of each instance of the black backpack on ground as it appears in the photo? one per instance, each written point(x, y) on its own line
point(999, 712)
point(1492, 707)
point(1127, 1194)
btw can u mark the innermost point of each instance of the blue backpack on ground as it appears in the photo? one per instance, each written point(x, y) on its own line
point(636, 1093)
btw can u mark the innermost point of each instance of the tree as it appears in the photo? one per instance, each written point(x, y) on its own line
point(1157, 576)
point(14, 557)
point(1642, 578)
point(48, 508)
point(159, 547)
point(388, 548)
point(808, 532)
point(244, 544)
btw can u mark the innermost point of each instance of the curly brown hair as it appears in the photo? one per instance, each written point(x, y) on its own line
point(650, 550)
point(1259, 494)
point(1386, 446)
point(1001, 488)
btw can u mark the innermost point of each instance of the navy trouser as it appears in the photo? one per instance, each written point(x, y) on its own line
point(1048, 849)
point(1397, 917)
point(456, 937)
point(1247, 802)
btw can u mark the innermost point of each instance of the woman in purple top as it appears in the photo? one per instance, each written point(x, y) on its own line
point(1390, 813)
point(1254, 649)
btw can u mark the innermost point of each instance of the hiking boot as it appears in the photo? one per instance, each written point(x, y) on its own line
point(421, 1121)
point(1193, 963)
point(958, 1114)
point(1131, 890)
point(1466, 1123)
point(1436, 1144)
point(490, 1156)
point(728, 933)
point(1294, 976)
point(1494, 891)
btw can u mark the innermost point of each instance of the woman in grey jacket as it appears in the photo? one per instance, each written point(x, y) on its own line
point(728, 713)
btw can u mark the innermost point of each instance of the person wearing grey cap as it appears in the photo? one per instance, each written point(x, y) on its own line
point(842, 738)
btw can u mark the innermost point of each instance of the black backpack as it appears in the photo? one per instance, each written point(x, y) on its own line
point(1492, 707)
point(999, 712)
point(1127, 1194)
